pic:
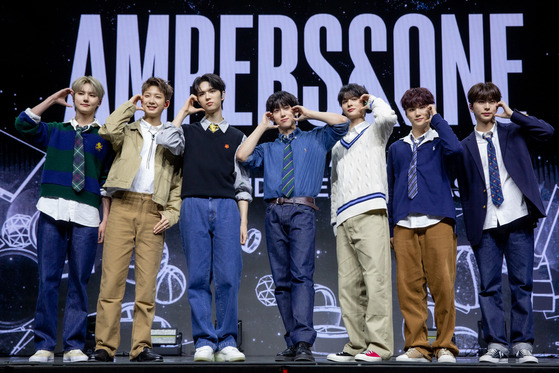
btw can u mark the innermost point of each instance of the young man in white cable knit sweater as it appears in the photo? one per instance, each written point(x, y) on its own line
point(359, 193)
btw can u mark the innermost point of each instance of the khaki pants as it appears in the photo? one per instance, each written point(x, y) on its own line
point(129, 228)
point(365, 283)
point(426, 256)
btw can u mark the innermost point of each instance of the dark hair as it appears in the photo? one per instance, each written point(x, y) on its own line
point(352, 90)
point(213, 80)
point(417, 97)
point(484, 92)
point(279, 99)
point(163, 86)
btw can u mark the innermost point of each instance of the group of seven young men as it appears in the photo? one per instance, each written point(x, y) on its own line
point(151, 175)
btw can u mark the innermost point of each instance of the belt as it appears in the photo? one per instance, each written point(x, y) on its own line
point(307, 201)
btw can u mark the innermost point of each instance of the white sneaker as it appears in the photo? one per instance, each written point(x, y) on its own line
point(204, 353)
point(412, 355)
point(229, 353)
point(42, 356)
point(74, 356)
point(445, 356)
point(495, 356)
point(340, 357)
point(525, 356)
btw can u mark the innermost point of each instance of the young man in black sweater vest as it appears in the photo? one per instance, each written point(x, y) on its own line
point(215, 195)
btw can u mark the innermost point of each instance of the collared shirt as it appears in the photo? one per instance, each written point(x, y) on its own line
point(514, 205)
point(223, 125)
point(143, 181)
point(64, 209)
point(413, 221)
point(309, 158)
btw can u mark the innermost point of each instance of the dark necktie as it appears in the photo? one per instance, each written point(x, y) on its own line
point(494, 178)
point(78, 167)
point(412, 171)
point(287, 179)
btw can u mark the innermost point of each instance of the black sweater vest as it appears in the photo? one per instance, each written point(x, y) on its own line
point(208, 165)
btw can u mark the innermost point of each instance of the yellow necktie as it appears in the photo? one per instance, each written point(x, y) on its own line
point(214, 127)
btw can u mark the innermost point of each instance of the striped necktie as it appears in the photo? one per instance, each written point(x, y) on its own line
point(287, 176)
point(494, 178)
point(412, 171)
point(78, 167)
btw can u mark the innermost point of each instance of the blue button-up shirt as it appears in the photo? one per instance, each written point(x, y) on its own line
point(309, 158)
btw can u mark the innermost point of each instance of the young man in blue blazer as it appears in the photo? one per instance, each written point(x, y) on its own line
point(501, 202)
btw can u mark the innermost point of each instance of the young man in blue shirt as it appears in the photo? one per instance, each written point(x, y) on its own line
point(422, 217)
point(501, 223)
point(293, 170)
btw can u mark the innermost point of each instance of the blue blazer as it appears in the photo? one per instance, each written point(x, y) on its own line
point(514, 139)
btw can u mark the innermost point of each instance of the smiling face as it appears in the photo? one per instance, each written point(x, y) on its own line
point(210, 98)
point(86, 100)
point(153, 102)
point(420, 117)
point(484, 111)
point(283, 116)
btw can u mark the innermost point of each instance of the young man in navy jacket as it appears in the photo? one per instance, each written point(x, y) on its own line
point(422, 217)
point(496, 158)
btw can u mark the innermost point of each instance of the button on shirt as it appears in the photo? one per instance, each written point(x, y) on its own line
point(413, 221)
point(513, 206)
point(309, 158)
point(64, 209)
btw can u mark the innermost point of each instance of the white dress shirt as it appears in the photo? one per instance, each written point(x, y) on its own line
point(514, 205)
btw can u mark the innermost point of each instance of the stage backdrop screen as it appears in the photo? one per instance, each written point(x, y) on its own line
point(311, 49)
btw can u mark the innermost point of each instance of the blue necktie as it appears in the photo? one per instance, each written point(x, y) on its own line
point(412, 171)
point(494, 178)
point(287, 176)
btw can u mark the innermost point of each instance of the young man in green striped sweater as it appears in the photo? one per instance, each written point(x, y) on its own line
point(76, 166)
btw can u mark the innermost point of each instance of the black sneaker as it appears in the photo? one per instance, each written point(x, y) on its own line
point(494, 356)
point(286, 355)
point(340, 357)
point(303, 352)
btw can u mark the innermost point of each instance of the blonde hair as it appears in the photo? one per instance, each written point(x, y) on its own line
point(95, 84)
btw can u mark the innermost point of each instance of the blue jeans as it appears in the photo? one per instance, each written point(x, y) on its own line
point(516, 243)
point(290, 237)
point(211, 239)
point(56, 240)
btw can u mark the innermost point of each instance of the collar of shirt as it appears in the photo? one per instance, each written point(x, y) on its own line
point(479, 135)
point(356, 130)
point(85, 128)
point(430, 135)
point(148, 127)
point(292, 135)
point(223, 125)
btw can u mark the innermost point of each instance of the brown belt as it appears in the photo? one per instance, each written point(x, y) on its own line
point(307, 201)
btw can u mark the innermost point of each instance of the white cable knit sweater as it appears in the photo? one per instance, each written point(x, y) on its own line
point(359, 166)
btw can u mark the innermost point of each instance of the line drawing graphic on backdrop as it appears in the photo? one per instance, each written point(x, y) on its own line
point(15, 177)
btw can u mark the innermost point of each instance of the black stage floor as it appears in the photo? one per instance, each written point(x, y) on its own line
point(266, 364)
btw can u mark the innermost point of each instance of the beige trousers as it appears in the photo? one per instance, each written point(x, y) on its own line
point(365, 283)
point(426, 256)
point(129, 229)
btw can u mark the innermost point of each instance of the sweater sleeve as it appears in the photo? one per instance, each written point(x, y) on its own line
point(31, 127)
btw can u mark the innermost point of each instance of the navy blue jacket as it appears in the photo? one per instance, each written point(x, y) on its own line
point(435, 195)
point(514, 138)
